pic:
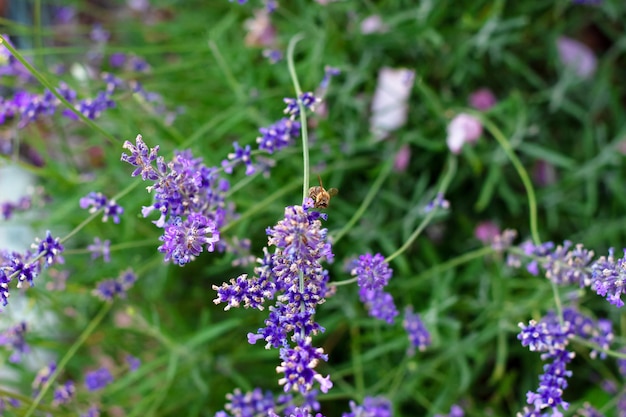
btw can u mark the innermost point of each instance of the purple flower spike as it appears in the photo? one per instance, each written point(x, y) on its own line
point(609, 275)
point(372, 406)
point(308, 102)
point(279, 135)
point(373, 275)
point(113, 210)
point(184, 240)
point(98, 379)
point(418, 334)
point(372, 272)
point(298, 365)
point(14, 339)
point(50, 249)
point(109, 289)
point(99, 248)
point(241, 155)
point(142, 157)
point(64, 393)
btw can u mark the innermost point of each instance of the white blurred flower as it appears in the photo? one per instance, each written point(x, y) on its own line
point(389, 105)
point(463, 129)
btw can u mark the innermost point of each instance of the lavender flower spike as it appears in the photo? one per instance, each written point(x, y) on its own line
point(373, 274)
point(142, 157)
point(609, 278)
point(183, 240)
point(98, 379)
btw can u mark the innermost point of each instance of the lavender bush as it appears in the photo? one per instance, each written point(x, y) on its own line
point(180, 248)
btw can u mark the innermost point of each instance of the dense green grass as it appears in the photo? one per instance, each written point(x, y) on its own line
point(193, 353)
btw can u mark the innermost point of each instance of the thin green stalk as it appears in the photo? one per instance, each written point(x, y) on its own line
point(303, 126)
point(521, 171)
point(382, 176)
point(54, 91)
point(530, 192)
point(445, 182)
point(69, 355)
point(230, 78)
point(357, 359)
point(85, 222)
point(454, 262)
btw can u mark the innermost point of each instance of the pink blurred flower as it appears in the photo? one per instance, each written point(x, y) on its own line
point(463, 129)
point(402, 159)
point(261, 32)
point(373, 24)
point(486, 232)
point(482, 99)
point(577, 57)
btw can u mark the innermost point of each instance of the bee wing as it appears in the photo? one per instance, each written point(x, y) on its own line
point(333, 192)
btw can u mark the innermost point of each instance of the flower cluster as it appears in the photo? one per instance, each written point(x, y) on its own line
point(189, 197)
point(109, 289)
point(98, 379)
point(64, 393)
point(98, 201)
point(27, 107)
point(373, 274)
point(14, 339)
point(27, 266)
point(294, 277)
point(308, 101)
point(608, 275)
point(43, 376)
point(455, 411)
point(439, 202)
point(240, 156)
point(99, 248)
point(415, 328)
point(8, 208)
point(257, 403)
point(569, 264)
point(551, 338)
point(278, 135)
point(372, 406)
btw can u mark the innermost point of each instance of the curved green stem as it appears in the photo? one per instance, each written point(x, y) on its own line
point(445, 182)
point(68, 355)
point(54, 91)
point(382, 176)
point(303, 126)
point(521, 171)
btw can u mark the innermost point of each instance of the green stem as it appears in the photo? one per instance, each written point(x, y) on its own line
point(445, 182)
point(70, 353)
point(530, 192)
point(230, 78)
point(382, 176)
point(303, 126)
point(54, 91)
point(521, 171)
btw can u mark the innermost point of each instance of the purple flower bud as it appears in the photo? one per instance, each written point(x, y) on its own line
point(482, 99)
point(98, 379)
